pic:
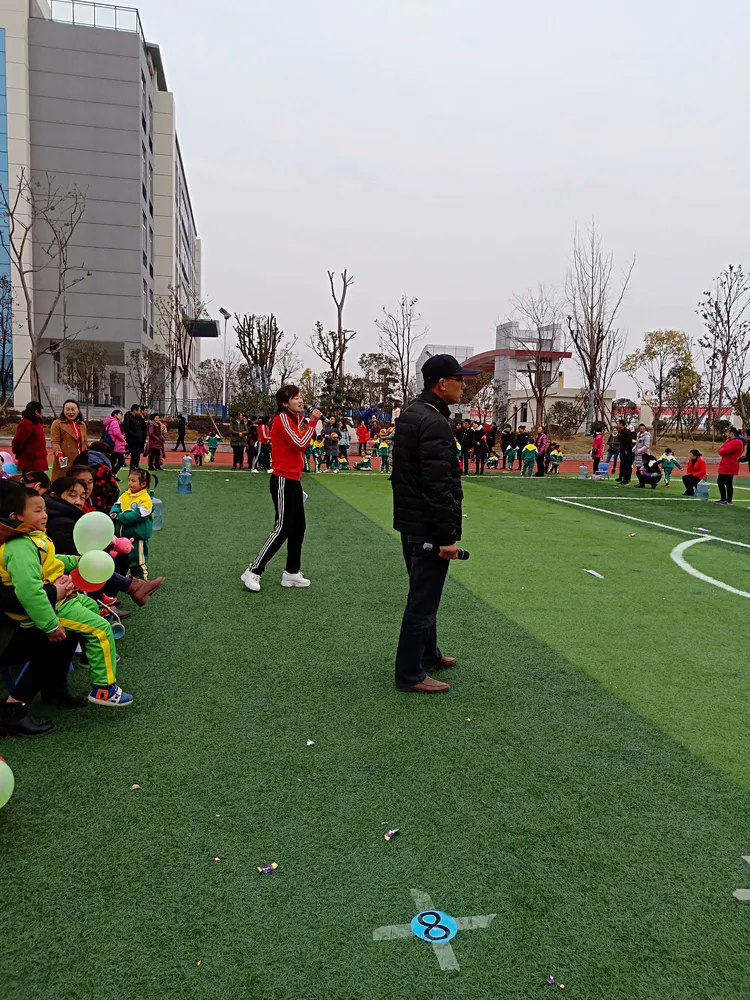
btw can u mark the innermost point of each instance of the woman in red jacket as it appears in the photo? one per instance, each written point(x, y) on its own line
point(363, 436)
point(290, 436)
point(29, 443)
point(695, 472)
point(729, 466)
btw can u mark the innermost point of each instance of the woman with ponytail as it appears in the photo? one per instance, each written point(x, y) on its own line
point(290, 436)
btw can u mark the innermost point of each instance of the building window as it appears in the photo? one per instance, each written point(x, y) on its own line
point(150, 245)
point(145, 299)
point(144, 240)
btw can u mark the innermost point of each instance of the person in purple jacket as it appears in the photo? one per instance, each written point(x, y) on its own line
point(541, 448)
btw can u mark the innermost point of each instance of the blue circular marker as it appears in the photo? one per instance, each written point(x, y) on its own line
point(434, 926)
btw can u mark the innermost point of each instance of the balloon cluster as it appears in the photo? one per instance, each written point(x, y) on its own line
point(9, 463)
point(92, 534)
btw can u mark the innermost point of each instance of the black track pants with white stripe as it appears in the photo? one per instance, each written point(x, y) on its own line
point(289, 526)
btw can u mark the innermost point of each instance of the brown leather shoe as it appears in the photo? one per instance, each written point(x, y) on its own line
point(447, 663)
point(428, 686)
point(141, 590)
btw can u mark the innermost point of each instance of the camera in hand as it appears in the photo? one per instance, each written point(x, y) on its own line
point(462, 553)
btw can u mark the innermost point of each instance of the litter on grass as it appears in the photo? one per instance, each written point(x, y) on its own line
point(135, 788)
point(217, 859)
point(390, 835)
point(310, 743)
point(592, 572)
point(199, 962)
point(701, 529)
point(467, 720)
point(632, 536)
point(267, 869)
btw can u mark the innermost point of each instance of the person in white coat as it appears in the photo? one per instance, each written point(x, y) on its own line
point(642, 445)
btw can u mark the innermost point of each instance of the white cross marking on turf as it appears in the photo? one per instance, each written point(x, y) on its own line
point(443, 952)
point(743, 894)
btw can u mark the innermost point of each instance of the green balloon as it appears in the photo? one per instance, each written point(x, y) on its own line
point(94, 531)
point(7, 782)
point(96, 567)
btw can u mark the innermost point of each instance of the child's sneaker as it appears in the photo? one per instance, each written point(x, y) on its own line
point(113, 696)
point(294, 580)
point(251, 580)
point(108, 602)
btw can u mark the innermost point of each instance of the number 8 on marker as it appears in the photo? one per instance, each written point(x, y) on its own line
point(434, 926)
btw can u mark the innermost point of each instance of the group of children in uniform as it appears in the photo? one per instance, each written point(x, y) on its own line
point(39, 562)
point(324, 450)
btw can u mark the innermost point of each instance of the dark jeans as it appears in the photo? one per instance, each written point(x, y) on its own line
point(46, 662)
point(465, 459)
point(626, 467)
point(726, 486)
point(154, 459)
point(238, 456)
point(362, 448)
point(180, 441)
point(135, 457)
point(479, 464)
point(118, 460)
point(647, 480)
point(288, 527)
point(612, 457)
point(417, 644)
point(540, 465)
point(690, 483)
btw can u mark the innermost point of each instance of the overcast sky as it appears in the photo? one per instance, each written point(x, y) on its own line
point(448, 148)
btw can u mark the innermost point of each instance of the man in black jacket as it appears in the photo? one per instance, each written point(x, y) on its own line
point(181, 428)
point(134, 429)
point(626, 453)
point(427, 497)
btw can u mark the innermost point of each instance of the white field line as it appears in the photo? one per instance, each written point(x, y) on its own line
point(654, 524)
point(646, 499)
point(677, 556)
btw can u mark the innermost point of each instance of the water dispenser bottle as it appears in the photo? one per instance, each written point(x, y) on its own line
point(158, 524)
point(187, 463)
point(583, 472)
point(703, 490)
point(185, 481)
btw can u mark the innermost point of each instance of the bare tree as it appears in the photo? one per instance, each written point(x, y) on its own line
point(147, 375)
point(539, 310)
point(400, 332)
point(288, 363)
point(330, 348)
point(84, 369)
point(209, 378)
point(6, 339)
point(41, 218)
point(259, 339)
point(342, 339)
point(594, 299)
point(481, 392)
point(176, 314)
point(726, 344)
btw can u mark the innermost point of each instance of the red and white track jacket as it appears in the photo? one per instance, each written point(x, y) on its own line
point(290, 435)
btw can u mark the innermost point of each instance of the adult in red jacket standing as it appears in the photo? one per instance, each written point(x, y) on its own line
point(29, 443)
point(363, 436)
point(729, 466)
point(290, 435)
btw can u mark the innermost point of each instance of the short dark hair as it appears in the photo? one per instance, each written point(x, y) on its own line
point(694, 451)
point(36, 477)
point(63, 484)
point(115, 412)
point(77, 470)
point(14, 501)
point(101, 446)
point(134, 407)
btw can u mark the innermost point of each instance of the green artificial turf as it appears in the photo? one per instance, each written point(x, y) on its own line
point(608, 850)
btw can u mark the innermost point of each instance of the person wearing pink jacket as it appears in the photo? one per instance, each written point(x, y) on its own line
point(114, 437)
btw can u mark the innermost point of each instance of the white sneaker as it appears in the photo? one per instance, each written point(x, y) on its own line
point(251, 580)
point(293, 580)
point(254, 470)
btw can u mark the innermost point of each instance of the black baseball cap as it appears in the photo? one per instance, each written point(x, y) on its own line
point(445, 366)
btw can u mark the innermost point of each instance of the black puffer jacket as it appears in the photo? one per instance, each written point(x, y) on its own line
point(426, 477)
point(61, 520)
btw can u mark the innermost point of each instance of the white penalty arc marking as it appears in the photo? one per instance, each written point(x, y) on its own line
point(676, 553)
point(677, 556)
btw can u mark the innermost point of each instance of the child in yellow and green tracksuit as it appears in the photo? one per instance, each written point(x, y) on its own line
point(318, 451)
point(510, 456)
point(28, 562)
point(492, 461)
point(668, 463)
point(133, 515)
point(343, 462)
point(212, 441)
point(528, 458)
point(363, 463)
point(556, 459)
point(384, 447)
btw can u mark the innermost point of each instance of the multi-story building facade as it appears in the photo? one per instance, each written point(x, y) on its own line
point(86, 103)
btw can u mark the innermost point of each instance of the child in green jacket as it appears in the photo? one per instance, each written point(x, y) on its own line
point(668, 464)
point(510, 456)
point(133, 515)
point(364, 463)
point(212, 441)
point(27, 562)
point(529, 457)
